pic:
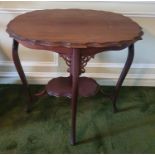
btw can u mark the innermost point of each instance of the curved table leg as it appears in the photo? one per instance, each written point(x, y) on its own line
point(123, 75)
point(21, 73)
point(75, 71)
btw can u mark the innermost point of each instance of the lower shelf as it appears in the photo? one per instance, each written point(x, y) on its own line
point(62, 86)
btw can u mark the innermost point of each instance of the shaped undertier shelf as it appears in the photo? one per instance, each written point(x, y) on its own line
point(62, 86)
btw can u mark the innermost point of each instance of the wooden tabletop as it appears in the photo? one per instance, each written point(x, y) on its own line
point(74, 28)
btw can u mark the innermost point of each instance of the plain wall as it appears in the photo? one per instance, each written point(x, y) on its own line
point(41, 66)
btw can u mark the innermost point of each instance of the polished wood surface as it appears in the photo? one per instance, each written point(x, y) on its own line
point(62, 86)
point(74, 28)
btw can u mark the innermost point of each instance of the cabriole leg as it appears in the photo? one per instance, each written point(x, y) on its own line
point(123, 75)
point(21, 73)
point(75, 70)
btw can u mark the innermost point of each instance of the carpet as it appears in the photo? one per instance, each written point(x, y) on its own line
point(46, 129)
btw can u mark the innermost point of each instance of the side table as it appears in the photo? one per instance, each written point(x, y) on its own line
point(76, 35)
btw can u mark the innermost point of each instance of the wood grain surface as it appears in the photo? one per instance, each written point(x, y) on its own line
point(74, 28)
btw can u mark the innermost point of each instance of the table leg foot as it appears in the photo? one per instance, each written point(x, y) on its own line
point(21, 74)
point(73, 142)
point(115, 109)
point(123, 75)
point(28, 109)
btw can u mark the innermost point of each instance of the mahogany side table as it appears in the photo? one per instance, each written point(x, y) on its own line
point(76, 35)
